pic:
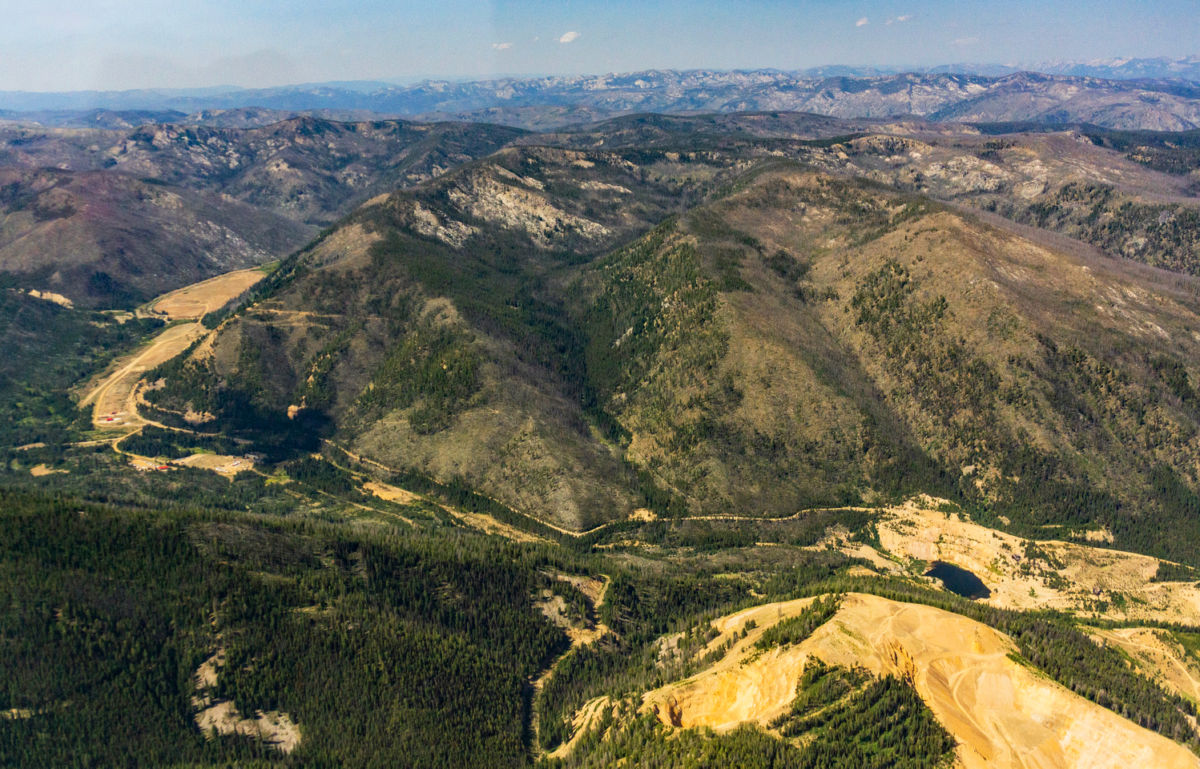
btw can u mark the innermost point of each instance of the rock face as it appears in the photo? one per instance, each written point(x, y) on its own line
point(1002, 713)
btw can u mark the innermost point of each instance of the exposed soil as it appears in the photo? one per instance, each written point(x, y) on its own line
point(113, 400)
point(196, 300)
point(222, 464)
point(272, 728)
point(596, 591)
point(1157, 656)
point(1045, 574)
point(588, 715)
point(42, 470)
point(1002, 713)
point(114, 396)
point(50, 296)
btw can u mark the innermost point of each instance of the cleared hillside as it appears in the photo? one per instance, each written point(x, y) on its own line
point(1000, 712)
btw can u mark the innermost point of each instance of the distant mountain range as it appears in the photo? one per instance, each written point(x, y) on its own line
point(1157, 94)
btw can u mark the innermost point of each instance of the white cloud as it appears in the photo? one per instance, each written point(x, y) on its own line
point(899, 19)
point(569, 37)
point(862, 22)
point(501, 46)
point(962, 42)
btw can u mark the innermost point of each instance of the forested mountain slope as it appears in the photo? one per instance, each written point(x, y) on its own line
point(801, 340)
point(432, 326)
point(808, 340)
point(111, 240)
point(560, 455)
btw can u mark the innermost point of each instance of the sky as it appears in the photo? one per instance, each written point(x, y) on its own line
point(53, 45)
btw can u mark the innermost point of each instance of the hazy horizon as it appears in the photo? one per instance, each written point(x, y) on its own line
point(412, 80)
point(113, 45)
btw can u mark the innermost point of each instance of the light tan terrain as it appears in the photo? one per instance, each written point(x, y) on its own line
point(114, 397)
point(1158, 656)
point(390, 493)
point(478, 521)
point(42, 470)
point(114, 400)
point(196, 300)
point(222, 464)
point(1050, 575)
point(596, 591)
point(1002, 713)
point(272, 728)
point(51, 296)
point(587, 717)
point(733, 692)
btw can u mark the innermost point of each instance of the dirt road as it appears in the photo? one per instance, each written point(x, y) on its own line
point(114, 397)
point(113, 400)
point(1157, 655)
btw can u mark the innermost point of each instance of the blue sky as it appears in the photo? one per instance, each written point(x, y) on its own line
point(116, 44)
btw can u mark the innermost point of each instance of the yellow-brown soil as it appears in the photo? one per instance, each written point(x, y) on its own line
point(1069, 576)
point(554, 607)
point(146, 464)
point(596, 590)
point(1156, 655)
point(731, 692)
point(592, 711)
point(113, 400)
point(1002, 713)
point(489, 525)
point(221, 464)
point(114, 396)
point(42, 470)
point(389, 493)
point(591, 587)
point(50, 296)
point(478, 521)
point(196, 300)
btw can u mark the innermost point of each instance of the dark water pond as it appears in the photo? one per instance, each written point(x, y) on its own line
point(958, 580)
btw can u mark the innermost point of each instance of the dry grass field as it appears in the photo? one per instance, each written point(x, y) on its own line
point(114, 397)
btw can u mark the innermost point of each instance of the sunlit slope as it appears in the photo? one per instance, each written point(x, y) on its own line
point(1001, 712)
point(799, 340)
point(431, 328)
point(108, 240)
point(810, 340)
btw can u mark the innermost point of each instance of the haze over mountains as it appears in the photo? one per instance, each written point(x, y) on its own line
point(1131, 94)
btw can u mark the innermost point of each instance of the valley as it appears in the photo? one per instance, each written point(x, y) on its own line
point(758, 439)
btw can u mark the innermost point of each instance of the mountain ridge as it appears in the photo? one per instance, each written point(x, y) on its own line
point(832, 91)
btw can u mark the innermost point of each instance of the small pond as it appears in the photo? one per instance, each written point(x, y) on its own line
point(958, 580)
